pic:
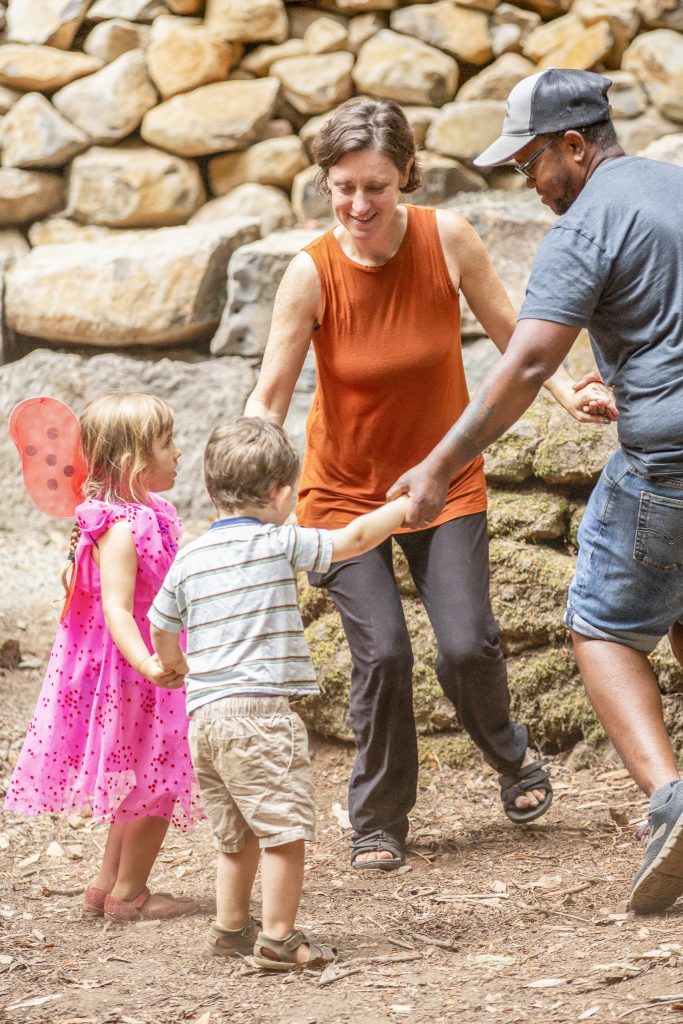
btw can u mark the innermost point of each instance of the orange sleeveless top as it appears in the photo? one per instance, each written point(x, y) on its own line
point(390, 378)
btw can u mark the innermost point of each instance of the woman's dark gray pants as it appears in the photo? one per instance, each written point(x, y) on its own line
point(450, 567)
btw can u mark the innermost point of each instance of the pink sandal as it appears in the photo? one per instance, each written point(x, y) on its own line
point(138, 909)
point(93, 901)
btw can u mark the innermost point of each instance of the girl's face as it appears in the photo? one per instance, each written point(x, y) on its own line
point(160, 473)
point(365, 190)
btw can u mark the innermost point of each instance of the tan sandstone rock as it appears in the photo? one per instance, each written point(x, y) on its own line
point(133, 187)
point(662, 13)
point(58, 230)
point(669, 149)
point(635, 133)
point(185, 6)
point(443, 178)
point(272, 162)
point(461, 32)
point(622, 17)
point(264, 203)
point(397, 67)
point(360, 6)
point(420, 119)
point(183, 54)
point(260, 60)
point(584, 51)
point(143, 288)
point(363, 27)
point(212, 119)
point(627, 97)
point(131, 10)
point(109, 39)
point(510, 27)
point(316, 83)
point(8, 97)
point(324, 35)
point(464, 130)
point(496, 81)
point(302, 15)
point(550, 35)
point(34, 134)
point(13, 246)
point(110, 104)
point(48, 22)
point(42, 68)
point(28, 195)
point(247, 21)
point(657, 59)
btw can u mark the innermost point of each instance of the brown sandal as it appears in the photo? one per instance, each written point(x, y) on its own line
point(223, 942)
point(280, 954)
point(138, 909)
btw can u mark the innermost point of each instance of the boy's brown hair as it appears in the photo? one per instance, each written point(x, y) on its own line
point(244, 460)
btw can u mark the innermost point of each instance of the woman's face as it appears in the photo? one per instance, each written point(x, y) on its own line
point(365, 188)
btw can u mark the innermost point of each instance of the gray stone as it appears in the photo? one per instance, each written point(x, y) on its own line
point(531, 516)
point(308, 204)
point(254, 275)
point(201, 392)
point(626, 96)
point(443, 178)
point(635, 133)
point(134, 288)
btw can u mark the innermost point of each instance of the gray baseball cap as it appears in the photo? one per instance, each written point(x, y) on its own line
point(550, 101)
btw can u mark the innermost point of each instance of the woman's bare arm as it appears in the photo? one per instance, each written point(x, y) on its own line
point(297, 310)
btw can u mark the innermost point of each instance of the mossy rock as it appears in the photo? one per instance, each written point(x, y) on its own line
point(528, 593)
point(575, 516)
point(668, 671)
point(510, 459)
point(314, 602)
point(531, 516)
point(572, 452)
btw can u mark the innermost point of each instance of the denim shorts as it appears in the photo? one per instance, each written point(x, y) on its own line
point(628, 586)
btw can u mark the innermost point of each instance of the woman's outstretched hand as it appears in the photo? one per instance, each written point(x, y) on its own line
point(592, 401)
point(427, 491)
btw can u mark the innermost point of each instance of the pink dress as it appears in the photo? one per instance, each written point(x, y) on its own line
point(102, 736)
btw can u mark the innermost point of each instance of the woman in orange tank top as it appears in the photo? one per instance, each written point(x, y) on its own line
point(378, 296)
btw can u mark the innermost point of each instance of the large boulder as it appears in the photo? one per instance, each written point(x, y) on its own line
point(271, 162)
point(34, 134)
point(254, 274)
point(133, 289)
point(584, 51)
point(550, 35)
point(214, 118)
point(247, 21)
point(264, 203)
point(464, 129)
point(109, 39)
point(42, 68)
point(497, 80)
point(52, 22)
point(657, 59)
point(201, 392)
point(461, 32)
point(183, 54)
point(28, 195)
point(133, 187)
point(315, 83)
point(622, 16)
point(110, 104)
point(397, 67)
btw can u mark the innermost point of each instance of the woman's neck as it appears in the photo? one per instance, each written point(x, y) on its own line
point(375, 251)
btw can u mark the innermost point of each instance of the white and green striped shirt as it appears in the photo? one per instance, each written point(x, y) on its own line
point(234, 591)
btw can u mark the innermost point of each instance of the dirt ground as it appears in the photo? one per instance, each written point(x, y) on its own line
point(487, 921)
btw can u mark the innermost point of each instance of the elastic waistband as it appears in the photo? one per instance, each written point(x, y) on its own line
point(243, 707)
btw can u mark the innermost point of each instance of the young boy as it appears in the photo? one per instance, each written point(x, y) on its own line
point(234, 591)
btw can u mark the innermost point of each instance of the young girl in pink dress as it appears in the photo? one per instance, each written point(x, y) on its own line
point(103, 736)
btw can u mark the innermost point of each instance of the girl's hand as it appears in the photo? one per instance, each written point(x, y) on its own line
point(589, 400)
point(167, 678)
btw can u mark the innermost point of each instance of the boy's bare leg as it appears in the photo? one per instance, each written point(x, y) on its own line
point(623, 690)
point(235, 875)
point(282, 876)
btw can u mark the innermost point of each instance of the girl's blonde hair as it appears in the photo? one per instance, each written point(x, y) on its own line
point(117, 433)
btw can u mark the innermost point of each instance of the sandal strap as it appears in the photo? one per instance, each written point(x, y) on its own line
point(518, 783)
point(378, 839)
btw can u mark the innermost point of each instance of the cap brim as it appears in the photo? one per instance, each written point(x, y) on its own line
point(502, 150)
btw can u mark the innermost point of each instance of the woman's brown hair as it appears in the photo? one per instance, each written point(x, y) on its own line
point(361, 124)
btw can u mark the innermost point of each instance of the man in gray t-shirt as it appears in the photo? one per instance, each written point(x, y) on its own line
point(613, 262)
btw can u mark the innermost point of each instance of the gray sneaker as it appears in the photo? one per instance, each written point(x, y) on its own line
point(659, 881)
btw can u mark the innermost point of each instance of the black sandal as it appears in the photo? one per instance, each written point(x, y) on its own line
point(531, 776)
point(372, 842)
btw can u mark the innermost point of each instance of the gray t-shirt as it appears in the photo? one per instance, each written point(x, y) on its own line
point(614, 264)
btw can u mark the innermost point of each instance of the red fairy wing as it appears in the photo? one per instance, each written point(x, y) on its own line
point(48, 439)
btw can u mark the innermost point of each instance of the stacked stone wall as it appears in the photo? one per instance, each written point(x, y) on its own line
point(156, 179)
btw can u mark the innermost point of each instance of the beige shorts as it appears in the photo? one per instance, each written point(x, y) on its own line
point(250, 755)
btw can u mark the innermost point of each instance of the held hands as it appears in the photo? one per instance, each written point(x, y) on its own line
point(427, 490)
point(167, 677)
point(590, 400)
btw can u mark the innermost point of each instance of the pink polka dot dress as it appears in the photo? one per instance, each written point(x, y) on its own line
point(102, 736)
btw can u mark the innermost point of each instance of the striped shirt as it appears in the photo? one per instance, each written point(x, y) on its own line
point(234, 592)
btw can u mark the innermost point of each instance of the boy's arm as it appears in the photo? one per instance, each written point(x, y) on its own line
point(168, 651)
point(368, 531)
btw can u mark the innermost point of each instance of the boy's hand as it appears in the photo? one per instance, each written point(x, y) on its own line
point(161, 675)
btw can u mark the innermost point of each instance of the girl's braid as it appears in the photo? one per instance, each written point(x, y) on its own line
point(65, 575)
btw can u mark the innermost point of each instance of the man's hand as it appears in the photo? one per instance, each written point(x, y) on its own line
point(427, 490)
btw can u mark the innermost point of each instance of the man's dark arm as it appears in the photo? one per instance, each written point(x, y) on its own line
point(535, 351)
